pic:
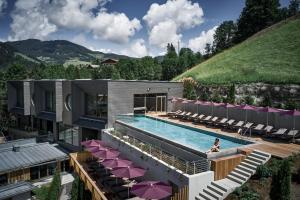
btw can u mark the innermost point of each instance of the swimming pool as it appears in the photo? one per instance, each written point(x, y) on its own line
point(193, 138)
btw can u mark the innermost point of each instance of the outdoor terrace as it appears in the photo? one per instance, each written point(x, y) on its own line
point(277, 148)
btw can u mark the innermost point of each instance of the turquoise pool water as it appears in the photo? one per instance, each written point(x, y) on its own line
point(196, 139)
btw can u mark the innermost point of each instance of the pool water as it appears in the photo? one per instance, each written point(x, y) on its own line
point(196, 139)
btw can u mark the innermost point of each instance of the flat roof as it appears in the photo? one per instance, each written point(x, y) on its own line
point(28, 155)
point(14, 189)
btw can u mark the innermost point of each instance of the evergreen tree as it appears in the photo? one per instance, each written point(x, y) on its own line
point(224, 35)
point(208, 50)
point(16, 72)
point(75, 189)
point(256, 15)
point(293, 7)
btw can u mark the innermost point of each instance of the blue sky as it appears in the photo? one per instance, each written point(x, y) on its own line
point(132, 27)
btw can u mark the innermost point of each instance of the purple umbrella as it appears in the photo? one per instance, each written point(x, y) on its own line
point(293, 113)
point(94, 149)
point(116, 162)
point(152, 190)
point(128, 172)
point(246, 107)
point(209, 103)
point(106, 154)
point(268, 110)
point(227, 105)
point(198, 103)
point(185, 102)
point(90, 143)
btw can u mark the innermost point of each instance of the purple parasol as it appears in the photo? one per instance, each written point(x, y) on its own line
point(268, 110)
point(94, 149)
point(198, 103)
point(128, 172)
point(106, 154)
point(151, 190)
point(227, 105)
point(293, 113)
point(90, 143)
point(116, 162)
point(246, 107)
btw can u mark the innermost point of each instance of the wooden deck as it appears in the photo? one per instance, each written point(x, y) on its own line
point(276, 148)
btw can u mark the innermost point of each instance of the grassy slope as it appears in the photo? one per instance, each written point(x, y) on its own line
point(272, 55)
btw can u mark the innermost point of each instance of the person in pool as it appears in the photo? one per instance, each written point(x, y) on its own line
point(216, 147)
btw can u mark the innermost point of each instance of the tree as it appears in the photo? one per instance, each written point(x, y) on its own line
point(208, 50)
point(75, 189)
point(171, 52)
point(189, 86)
point(16, 72)
point(170, 63)
point(256, 15)
point(72, 72)
point(224, 35)
point(293, 7)
point(281, 182)
point(55, 187)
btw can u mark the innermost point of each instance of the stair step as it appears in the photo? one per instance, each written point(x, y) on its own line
point(255, 159)
point(261, 153)
point(251, 162)
point(211, 193)
point(216, 189)
point(259, 156)
point(248, 165)
point(243, 172)
point(240, 176)
point(221, 187)
point(199, 198)
point(206, 196)
point(235, 179)
point(246, 169)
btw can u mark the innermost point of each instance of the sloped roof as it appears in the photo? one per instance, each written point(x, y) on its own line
point(11, 190)
point(28, 155)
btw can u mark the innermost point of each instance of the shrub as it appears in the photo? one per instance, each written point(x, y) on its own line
point(75, 189)
point(41, 193)
point(291, 105)
point(245, 193)
point(216, 97)
point(231, 94)
point(189, 90)
point(263, 171)
point(249, 100)
point(267, 100)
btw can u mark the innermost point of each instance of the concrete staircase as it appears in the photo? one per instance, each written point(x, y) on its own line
point(220, 189)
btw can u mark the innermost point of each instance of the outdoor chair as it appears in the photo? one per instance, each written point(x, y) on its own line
point(291, 134)
point(197, 119)
point(228, 124)
point(186, 115)
point(205, 119)
point(213, 120)
point(280, 132)
point(180, 114)
point(170, 114)
point(192, 116)
point(238, 125)
point(220, 122)
point(258, 128)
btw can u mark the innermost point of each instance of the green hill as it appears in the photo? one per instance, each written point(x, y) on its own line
point(271, 56)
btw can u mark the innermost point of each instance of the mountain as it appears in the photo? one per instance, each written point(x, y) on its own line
point(272, 56)
point(54, 52)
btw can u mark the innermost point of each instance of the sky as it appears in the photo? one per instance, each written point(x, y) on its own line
point(135, 28)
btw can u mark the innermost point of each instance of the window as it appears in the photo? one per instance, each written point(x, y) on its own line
point(20, 98)
point(68, 134)
point(68, 102)
point(3, 179)
point(96, 106)
point(49, 101)
point(34, 173)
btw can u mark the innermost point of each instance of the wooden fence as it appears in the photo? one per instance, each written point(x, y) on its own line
point(182, 194)
point(75, 160)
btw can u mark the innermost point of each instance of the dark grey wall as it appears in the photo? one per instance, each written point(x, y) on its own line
point(66, 114)
point(79, 88)
point(121, 93)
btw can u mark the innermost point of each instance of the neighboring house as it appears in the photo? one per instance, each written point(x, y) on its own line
point(93, 66)
point(109, 61)
point(26, 160)
point(16, 191)
point(73, 111)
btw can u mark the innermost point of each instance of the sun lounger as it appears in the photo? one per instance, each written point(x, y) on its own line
point(173, 113)
point(280, 132)
point(258, 128)
point(186, 115)
point(197, 119)
point(213, 120)
point(220, 122)
point(205, 119)
point(237, 126)
point(180, 114)
point(192, 116)
point(291, 134)
point(229, 123)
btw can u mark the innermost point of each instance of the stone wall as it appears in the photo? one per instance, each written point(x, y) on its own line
point(279, 95)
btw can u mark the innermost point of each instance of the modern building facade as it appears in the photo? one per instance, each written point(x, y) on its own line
point(72, 111)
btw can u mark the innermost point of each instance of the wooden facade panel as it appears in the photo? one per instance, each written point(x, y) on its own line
point(223, 166)
point(20, 175)
point(182, 194)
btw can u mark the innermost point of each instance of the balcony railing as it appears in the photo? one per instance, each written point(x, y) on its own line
point(188, 167)
point(90, 184)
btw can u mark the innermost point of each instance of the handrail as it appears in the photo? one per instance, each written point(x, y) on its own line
point(80, 170)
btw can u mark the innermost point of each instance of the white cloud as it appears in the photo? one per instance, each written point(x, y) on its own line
point(198, 43)
point(70, 14)
point(166, 21)
point(136, 49)
point(3, 4)
point(163, 33)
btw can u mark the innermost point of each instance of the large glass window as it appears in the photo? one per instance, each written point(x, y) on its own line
point(96, 105)
point(3, 179)
point(20, 97)
point(34, 173)
point(49, 101)
point(69, 134)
